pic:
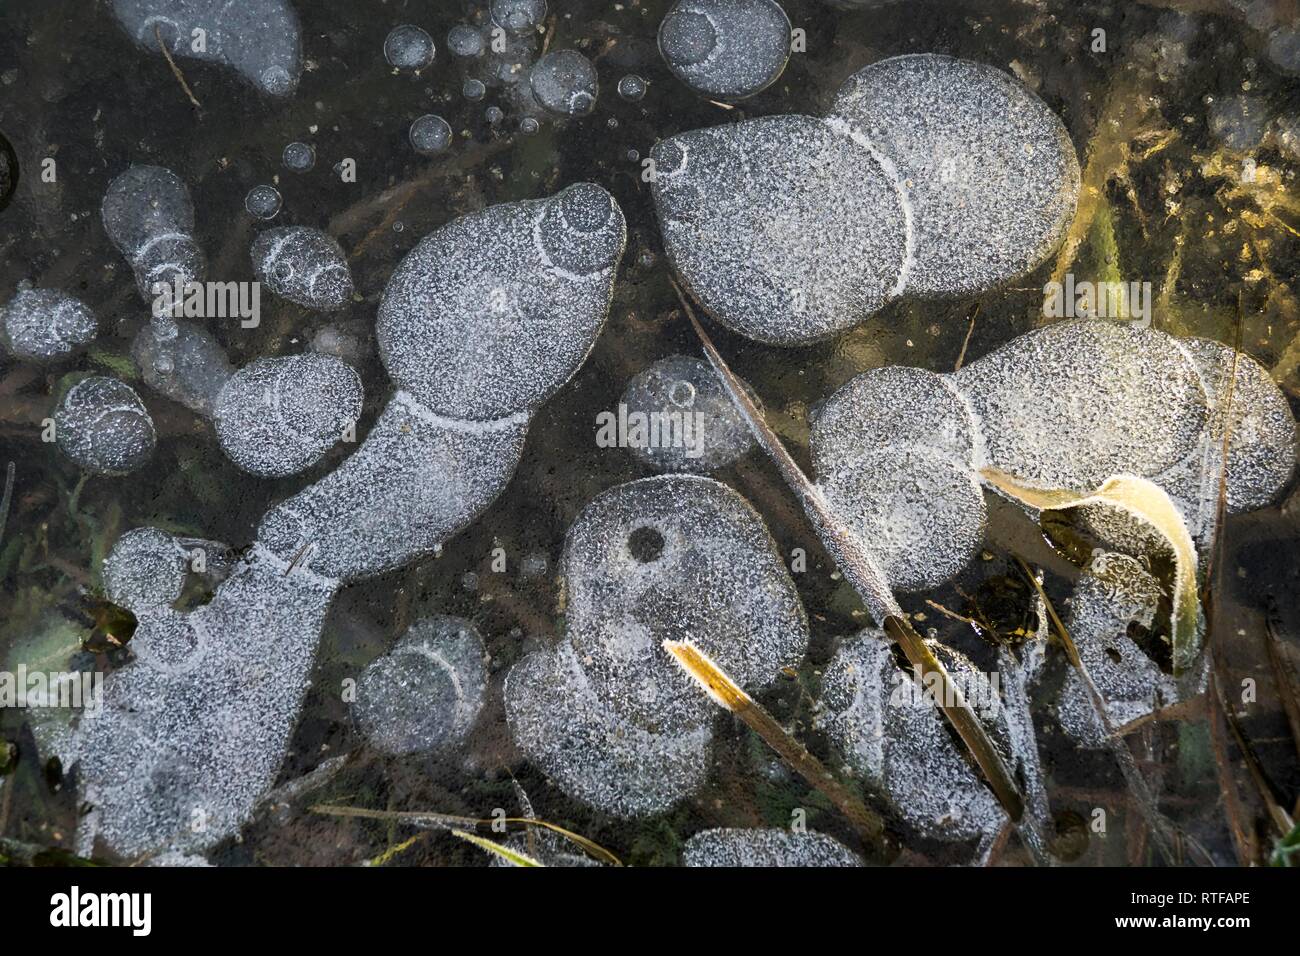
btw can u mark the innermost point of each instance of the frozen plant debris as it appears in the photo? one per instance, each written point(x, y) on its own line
point(763, 244)
point(305, 266)
point(104, 428)
point(769, 847)
point(607, 713)
point(493, 312)
point(427, 691)
point(45, 325)
point(149, 217)
point(259, 39)
point(689, 422)
point(990, 172)
point(277, 416)
point(726, 49)
point(564, 83)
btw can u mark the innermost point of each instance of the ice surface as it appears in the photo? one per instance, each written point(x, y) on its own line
point(44, 325)
point(785, 230)
point(259, 39)
point(687, 388)
point(493, 312)
point(767, 847)
point(1073, 403)
point(277, 416)
point(902, 746)
point(726, 49)
point(989, 170)
point(607, 714)
point(417, 479)
point(427, 691)
point(304, 265)
point(102, 425)
point(195, 729)
point(149, 217)
point(190, 368)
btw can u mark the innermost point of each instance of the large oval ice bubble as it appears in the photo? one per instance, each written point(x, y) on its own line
point(102, 425)
point(190, 368)
point(259, 39)
point(277, 416)
point(44, 325)
point(303, 265)
point(427, 691)
point(149, 217)
point(988, 168)
point(494, 311)
point(785, 230)
point(726, 49)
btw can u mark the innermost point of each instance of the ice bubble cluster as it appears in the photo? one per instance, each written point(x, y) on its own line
point(45, 325)
point(930, 175)
point(426, 692)
point(197, 725)
point(430, 134)
point(149, 218)
point(765, 847)
point(900, 744)
point(696, 426)
point(607, 713)
point(1116, 593)
point(104, 428)
point(518, 16)
point(305, 266)
point(762, 243)
point(259, 39)
point(899, 451)
point(726, 49)
point(564, 82)
point(277, 416)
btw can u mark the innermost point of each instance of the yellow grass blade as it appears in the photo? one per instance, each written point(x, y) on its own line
point(513, 857)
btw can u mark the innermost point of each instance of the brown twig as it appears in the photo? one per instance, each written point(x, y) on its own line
point(176, 70)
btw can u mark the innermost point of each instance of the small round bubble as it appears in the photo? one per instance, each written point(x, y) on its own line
point(632, 87)
point(430, 135)
point(464, 40)
point(474, 89)
point(564, 82)
point(409, 48)
point(263, 202)
point(299, 157)
point(518, 16)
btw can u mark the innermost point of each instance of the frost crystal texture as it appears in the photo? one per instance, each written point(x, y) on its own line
point(608, 714)
point(44, 325)
point(698, 428)
point(427, 691)
point(102, 425)
point(731, 848)
point(278, 416)
point(726, 49)
point(758, 217)
point(493, 312)
point(259, 39)
point(900, 743)
point(146, 569)
point(564, 83)
point(149, 217)
point(989, 170)
point(305, 266)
